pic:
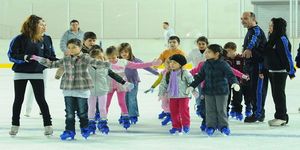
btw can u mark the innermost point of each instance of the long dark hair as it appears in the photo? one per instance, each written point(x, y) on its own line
point(279, 27)
point(29, 28)
point(126, 47)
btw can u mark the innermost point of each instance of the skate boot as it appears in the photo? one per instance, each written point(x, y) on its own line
point(277, 122)
point(209, 131)
point(48, 130)
point(225, 131)
point(162, 115)
point(97, 116)
point(174, 131)
point(85, 132)
point(67, 134)
point(186, 129)
point(239, 116)
point(232, 114)
point(92, 126)
point(248, 112)
point(203, 126)
point(102, 126)
point(133, 119)
point(13, 130)
point(126, 122)
point(121, 120)
point(166, 120)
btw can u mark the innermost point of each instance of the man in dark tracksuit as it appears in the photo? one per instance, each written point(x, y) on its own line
point(253, 48)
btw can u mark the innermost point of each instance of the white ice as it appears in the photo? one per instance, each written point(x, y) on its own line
point(148, 133)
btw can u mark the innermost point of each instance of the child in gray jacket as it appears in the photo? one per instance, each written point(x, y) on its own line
point(173, 86)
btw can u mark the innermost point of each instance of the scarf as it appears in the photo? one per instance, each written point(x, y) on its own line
point(173, 88)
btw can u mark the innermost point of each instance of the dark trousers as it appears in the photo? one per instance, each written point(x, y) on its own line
point(278, 81)
point(258, 90)
point(39, 93)
point(237, 97)
point(79, 105)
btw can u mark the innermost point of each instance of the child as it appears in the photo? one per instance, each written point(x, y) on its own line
point(216, 73)
point(174, 42)
point(76, 84)
point(173, 86)
point(236, 61)
point(132, 76)
point(118, 66)
point(101, 87)
point(165, 114)
point(196, 56)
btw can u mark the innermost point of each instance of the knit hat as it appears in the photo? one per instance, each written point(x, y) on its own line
point(179, 59)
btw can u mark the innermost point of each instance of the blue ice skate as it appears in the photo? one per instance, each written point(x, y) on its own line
point(209, 131)
point(248, 112)
point(102, 126)
point(225, 130)
point(174, 130)
point(67, 135)
point(239, 116)
point(186, 129)
point(166, 120)
point(97, 116)
point(125, 122)
point(162, 115)
point(85, 132)
point(133, 119)
point(92, 126)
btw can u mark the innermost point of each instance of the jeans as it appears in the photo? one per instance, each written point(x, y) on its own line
point(79, 105)
point(131, 101)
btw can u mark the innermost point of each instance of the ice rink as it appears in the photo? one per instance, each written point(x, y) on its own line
point(148, 134)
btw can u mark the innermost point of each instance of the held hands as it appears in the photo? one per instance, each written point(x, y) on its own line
point(156, 62)
point(235, 87)
point(149, 90)
point(189, 90)
point(246, 77)
point(36, 58)
point(128, 86)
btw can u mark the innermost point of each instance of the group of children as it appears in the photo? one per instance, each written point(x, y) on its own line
point(91, 77)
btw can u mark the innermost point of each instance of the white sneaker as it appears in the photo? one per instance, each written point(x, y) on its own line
point(48, 130)
point(14, 130)
point(277, 122)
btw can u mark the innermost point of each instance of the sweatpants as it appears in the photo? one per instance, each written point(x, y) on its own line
point(216, 111)
point(180, 112)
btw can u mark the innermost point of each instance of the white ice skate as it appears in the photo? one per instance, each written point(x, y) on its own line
point(277, 122)
point(13, 130)
point(48, 131)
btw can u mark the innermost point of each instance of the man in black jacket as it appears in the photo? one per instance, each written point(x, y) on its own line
point(253, 47)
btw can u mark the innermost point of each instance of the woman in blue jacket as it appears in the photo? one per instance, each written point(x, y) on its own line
point(280, 65)
point(31, 41)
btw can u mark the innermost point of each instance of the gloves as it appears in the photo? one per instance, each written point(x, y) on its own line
point(149, 90)
point(235, 87)
point(246, 77)
point(36, 58)
point(128, 86)
point(189, 90)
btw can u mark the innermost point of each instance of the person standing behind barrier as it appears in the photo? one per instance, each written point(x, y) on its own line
point(73, 32)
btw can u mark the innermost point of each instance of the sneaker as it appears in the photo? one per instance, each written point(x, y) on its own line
point(166, 120)
point(67, 134)
point(48, 130)
point(14, 130)
point(174, 130)
point(209, 131)
point(225, 130)
point(186, 129)
point(162, 115)
point(277, 122)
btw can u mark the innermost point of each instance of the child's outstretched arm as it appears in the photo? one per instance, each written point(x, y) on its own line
point(133, 65)
point(46, 62)
point(155, 84)
point(149, 69)
point(195, 70)
point(240, 74)
point(97, 63)
point(116, 77)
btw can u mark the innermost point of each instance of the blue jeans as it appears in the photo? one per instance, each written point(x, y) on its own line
point(131, 101)
point(79, 105)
